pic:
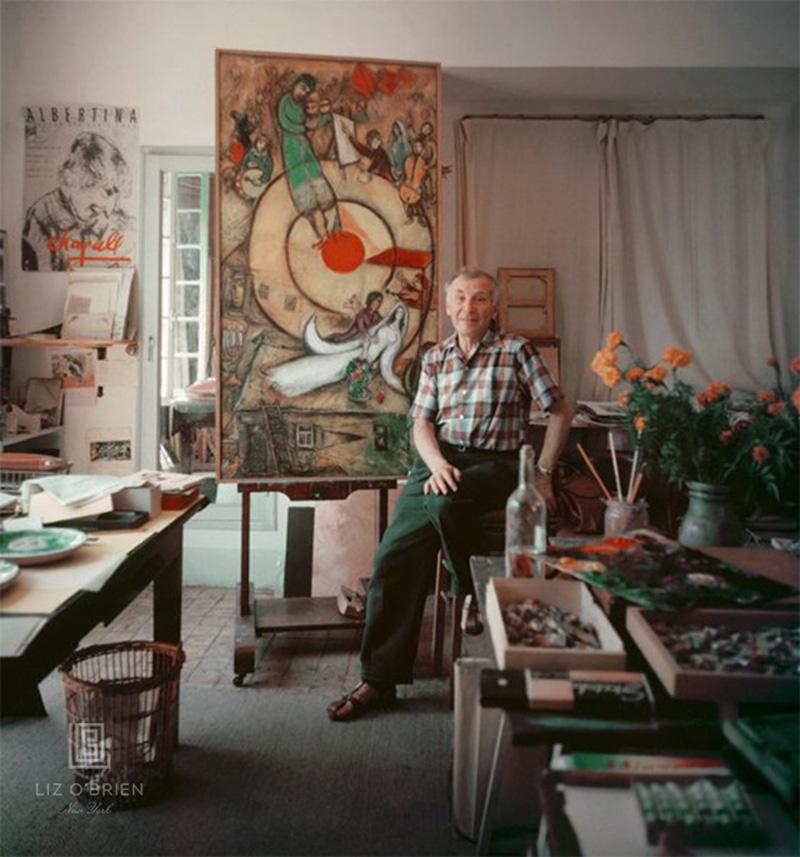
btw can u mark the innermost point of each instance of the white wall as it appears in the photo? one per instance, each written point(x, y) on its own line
point(159, 57)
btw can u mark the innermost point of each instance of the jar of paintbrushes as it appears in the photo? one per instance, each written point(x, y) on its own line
point(623, 511)
point(622, 516)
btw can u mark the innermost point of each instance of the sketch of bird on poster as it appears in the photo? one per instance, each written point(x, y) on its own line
point(81, 187)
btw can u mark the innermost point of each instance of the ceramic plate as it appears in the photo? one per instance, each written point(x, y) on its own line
point(8, 573)
point(30, 547)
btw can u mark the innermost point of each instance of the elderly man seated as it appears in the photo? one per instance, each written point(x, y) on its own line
point(469, 417)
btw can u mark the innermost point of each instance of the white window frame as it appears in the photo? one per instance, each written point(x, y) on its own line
point(169, 320)
point(268, 510)
point(156, 161)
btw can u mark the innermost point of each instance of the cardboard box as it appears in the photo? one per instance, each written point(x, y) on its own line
point(683, 683)
point(172, 501)
point(143, 498)
point(566, 594)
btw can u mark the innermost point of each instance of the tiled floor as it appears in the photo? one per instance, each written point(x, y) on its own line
point(325, 661)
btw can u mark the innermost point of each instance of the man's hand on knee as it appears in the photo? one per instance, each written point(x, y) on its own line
point(443, 480)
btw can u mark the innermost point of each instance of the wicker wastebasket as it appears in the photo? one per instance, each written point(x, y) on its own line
point(122, 709)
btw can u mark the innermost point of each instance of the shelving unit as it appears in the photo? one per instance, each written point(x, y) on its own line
point(99, 345)
point(21, 439)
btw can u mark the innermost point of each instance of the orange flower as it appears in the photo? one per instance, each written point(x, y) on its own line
point(676, 358)
point(657, 373)
point(795, 365)
point(766, 396)
point(776, 408)
point(760, 454)
point(639, 423)
point(625, 395)
point(796, 398)
point(772, 360)
point(634, 374)
point(715, 391)
point(605, 357)
point(726, 436)
point(611, 376)
point(614, 339)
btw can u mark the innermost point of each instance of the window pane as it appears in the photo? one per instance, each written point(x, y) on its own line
point(188, 191)
point(188, 264)
point(186, 337)
point(188, 299)
point(185, 373)
point(180, 379)
point(188, 227)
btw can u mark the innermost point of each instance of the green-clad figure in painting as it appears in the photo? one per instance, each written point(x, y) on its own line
point(312, 195)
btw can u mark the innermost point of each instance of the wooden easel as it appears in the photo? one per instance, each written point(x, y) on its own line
point(297, 610)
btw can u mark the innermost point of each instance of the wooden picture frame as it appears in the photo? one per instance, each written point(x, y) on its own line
point(527, 302)
point(328, 186)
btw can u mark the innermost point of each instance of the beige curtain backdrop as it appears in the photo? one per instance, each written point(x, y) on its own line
point(684, 246)
point(659, 230)
point(528, 198)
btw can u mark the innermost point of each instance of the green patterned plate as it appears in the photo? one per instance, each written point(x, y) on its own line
point(30, 547)
point(8, 573)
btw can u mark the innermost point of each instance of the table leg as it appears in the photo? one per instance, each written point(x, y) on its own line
point(167, 596)
point(167, 604)
point(383, 511)
point(501, 749)
point(511, 801)
point(19, 697)
point(244, 576)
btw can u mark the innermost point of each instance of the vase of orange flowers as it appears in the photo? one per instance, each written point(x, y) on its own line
point(711, 517)
point(734, 454)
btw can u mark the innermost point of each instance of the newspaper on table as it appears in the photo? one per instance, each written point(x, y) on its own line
point(79, 491)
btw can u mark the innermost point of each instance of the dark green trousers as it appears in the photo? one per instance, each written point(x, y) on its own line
point(405, 562)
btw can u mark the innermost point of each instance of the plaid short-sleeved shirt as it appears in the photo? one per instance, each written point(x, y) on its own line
point(483, 403)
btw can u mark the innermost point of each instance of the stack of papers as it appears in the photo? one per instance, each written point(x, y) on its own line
point(602, 412)
point(59, 498)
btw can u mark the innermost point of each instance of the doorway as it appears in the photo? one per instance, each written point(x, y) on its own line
point(176, 408)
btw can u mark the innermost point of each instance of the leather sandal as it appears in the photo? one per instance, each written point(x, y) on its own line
point(358, 707)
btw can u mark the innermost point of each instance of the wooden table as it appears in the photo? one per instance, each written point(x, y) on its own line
point(40, 628)
point(687, 726)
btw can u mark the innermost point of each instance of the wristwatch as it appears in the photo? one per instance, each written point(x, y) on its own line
point(545, 471)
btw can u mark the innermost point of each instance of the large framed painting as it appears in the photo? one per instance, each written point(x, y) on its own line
point(328, 181)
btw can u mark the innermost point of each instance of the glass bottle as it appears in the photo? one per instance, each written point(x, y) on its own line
point(526, 521)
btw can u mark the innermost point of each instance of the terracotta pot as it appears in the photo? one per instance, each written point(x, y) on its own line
point(712, 518)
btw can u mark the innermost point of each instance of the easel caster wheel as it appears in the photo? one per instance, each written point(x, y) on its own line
point(238, 679)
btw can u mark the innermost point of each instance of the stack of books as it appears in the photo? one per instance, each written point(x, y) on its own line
point(610, 413)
